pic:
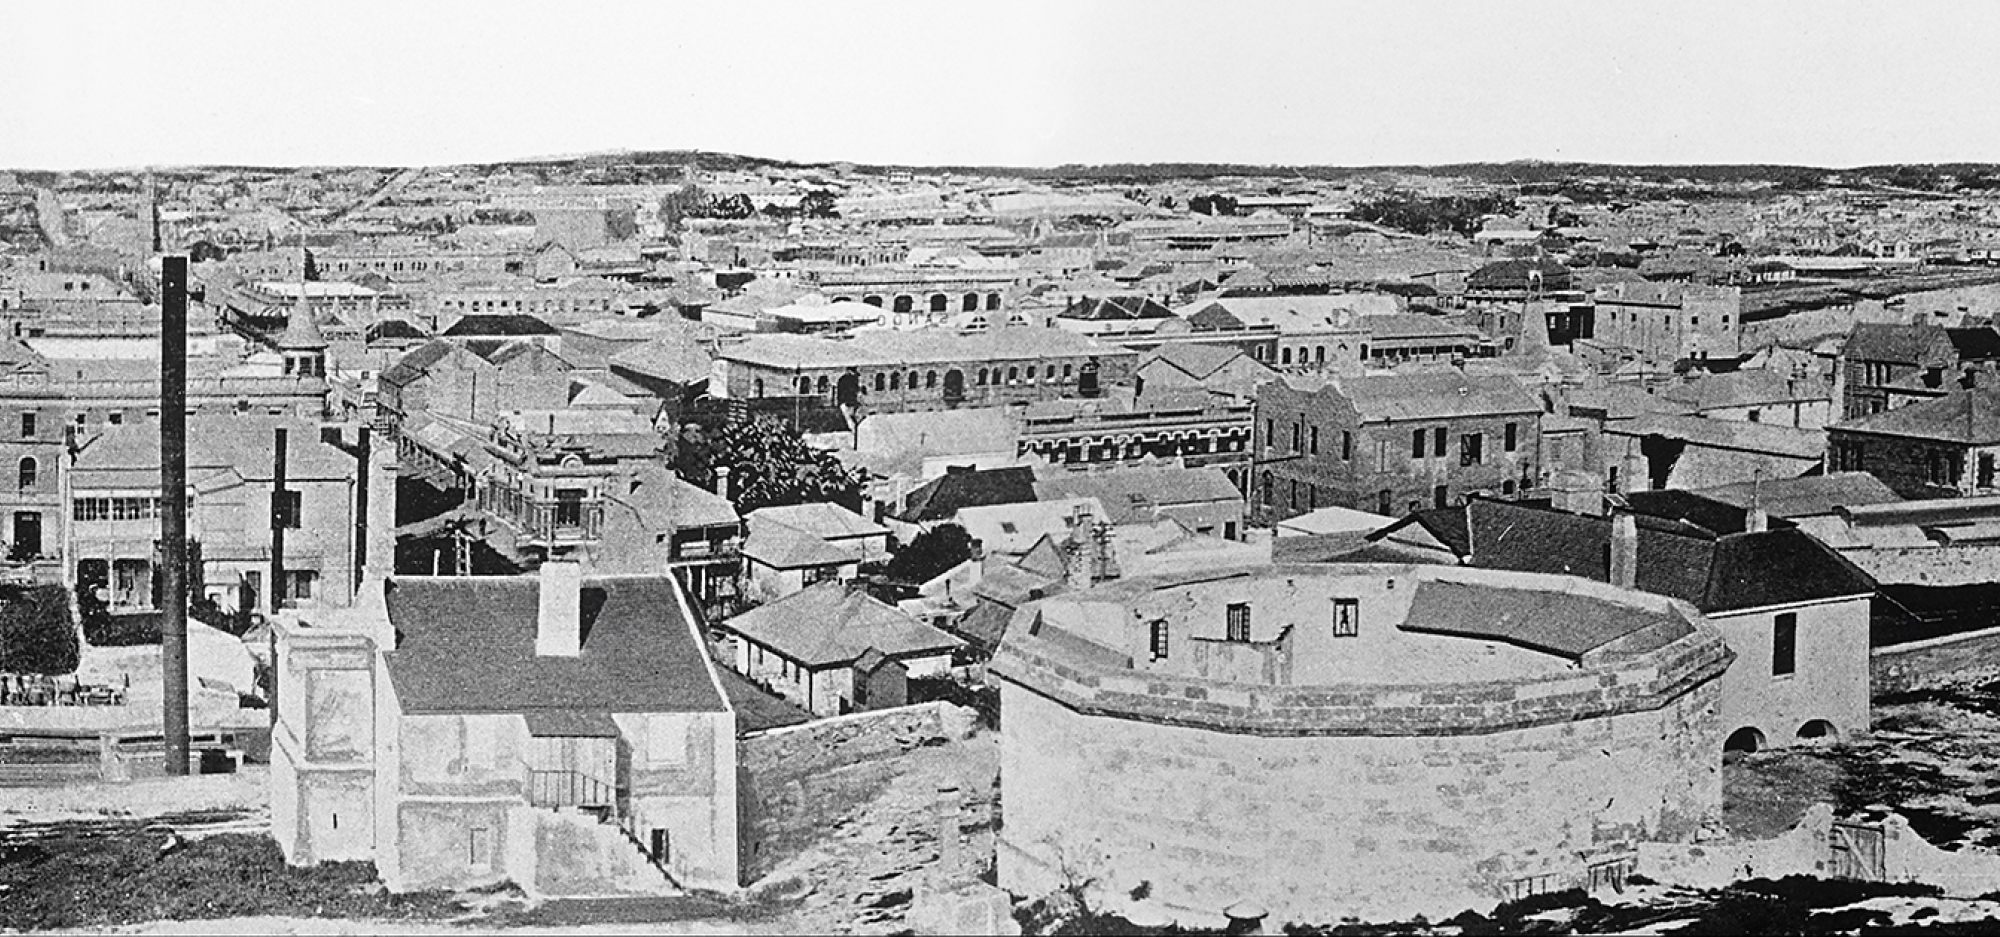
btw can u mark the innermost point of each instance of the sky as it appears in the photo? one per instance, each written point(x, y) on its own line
point(97, 84)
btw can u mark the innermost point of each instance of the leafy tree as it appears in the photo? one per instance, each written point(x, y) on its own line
point(930, 553)
point(769, 464)
point(687, 202)
point(818, 203)
point(37, 634)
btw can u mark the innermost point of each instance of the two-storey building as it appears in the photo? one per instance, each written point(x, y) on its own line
point(1392, 443)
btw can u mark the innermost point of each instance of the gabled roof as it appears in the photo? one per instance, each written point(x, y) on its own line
point(467, 645)
point(415, 363)
point(829, 625)
point(1964, 416)
point(965, 488)
point(1197, 360)
point(1902, 343)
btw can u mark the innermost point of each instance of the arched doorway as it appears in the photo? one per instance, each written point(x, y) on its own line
point(1818, 730)
point(847, 391)
point(940, 302)
point(906, 303)
point(971, 303)
point(1746, 739)
point(993, 300)
point(954, 386)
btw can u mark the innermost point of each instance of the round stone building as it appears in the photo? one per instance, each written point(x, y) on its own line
point(1375, 741)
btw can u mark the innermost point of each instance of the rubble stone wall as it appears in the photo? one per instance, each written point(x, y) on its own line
point(1954, 659)
point(1317, 828)
point(794, 783)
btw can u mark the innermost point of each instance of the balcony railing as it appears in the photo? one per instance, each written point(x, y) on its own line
point(569, 789)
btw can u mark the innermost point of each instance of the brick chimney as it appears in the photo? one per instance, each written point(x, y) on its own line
point(559, 626)
point(1624, 549)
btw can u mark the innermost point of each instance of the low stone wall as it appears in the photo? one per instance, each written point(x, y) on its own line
point(1953, 659)
point(1808, 849)
point(796, 782)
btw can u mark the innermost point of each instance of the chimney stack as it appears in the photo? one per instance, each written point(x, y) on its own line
point(1624, 549)
point(559, 627)
point(1756, 520)
point(722, 480)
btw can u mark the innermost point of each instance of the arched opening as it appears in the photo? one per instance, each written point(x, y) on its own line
point(906, 303)
point(1746, 739)
point(847, 392)
point(982, 377)
point(930, 379)
point(1818, 730)
point(822, 384)
point(1285, 356)
point(993, 300)
point(29, 474)
point(875, 301)
point(895, 380)
point(760, 387)
point(971, 302)
point(881, 382)
point(940, 302)
point(805, 386)
point(954, 385)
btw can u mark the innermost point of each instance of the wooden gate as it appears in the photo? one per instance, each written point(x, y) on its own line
point(1857, 851)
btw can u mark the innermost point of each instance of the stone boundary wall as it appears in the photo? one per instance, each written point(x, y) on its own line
point(795, 783)
point(1956, 565)
point(1642, 682)
point(1957, 658)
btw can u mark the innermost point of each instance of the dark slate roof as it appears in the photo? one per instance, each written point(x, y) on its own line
point(1708, 514)
point(467, 645)
point(1888, 341)
point(1808, 496)
point(758, 709)
point(1715, 573)
point(504, 324)
point(1975, 344)
point(1214, 316)
point(1514, 275)
point(1445, 524)
point(1967, 417)
point(415, 363)
point(958, 489)
point(1115, 307)
point(394, 329)
point(1551, 622)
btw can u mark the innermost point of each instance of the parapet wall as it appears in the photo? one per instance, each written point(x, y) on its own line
point(796, 782)
point(1644, 682)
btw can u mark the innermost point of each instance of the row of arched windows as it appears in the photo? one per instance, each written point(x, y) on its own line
point(938, 302)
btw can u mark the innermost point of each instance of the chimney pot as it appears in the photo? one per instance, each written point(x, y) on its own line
point(1624, 550)
point(559, 626)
